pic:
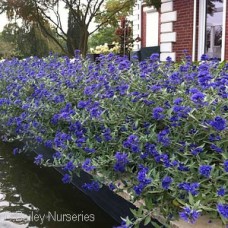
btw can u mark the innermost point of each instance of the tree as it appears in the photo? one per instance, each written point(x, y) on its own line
point(7, 48)
point(104, 35)
point(110, 6)
point(80, 12)
point(73, 34)
point(28, 40)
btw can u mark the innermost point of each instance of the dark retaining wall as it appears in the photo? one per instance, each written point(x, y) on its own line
point(110, 202)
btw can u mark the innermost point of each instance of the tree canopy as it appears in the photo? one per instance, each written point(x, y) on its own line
point(81, 14)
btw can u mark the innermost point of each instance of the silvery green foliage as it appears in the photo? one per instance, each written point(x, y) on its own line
point(160, 128)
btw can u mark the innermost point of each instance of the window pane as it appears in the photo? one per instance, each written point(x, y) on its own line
point(214, 28)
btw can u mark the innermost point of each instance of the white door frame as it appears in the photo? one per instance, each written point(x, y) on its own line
point(224, 30)
point(202, 29)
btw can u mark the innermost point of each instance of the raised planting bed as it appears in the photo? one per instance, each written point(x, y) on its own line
point(153, 131)
point(117, 205)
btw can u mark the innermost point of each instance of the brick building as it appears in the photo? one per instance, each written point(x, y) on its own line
point(198, 26)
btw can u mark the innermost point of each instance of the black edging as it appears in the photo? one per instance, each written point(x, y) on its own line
point(114, 205)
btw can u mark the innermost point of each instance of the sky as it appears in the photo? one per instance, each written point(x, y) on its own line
point(63, 15)
point(3, 21)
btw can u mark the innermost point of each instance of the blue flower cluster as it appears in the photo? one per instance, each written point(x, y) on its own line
point(93, 186)
point(142, 179)
point(205, 170)
point(189, 215)
point(115, 114)
point(223, 210)
point(190, 187)
point(121, 161)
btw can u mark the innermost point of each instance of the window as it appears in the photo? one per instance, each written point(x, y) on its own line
point(211, 29)
point(152, 20)
point(213, 37)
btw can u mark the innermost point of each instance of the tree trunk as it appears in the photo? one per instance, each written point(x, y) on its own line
point(73, 34)
point(83, 47)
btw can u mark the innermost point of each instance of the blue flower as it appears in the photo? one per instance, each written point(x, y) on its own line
point(178, 100)
point(166, 181)
point(82, 104)
point(107, 134)
point(139, 188)
point(205, 170)
point(95, 112)
point(158, 113)
point(196, 150)
point(38, 159)
point(223, 210)
point(87, 166)
point(219, 124)
point(155, 88)
point(216, 148)
point(198, 97)
point(143, 180)
point(15, 151)
point(89, 150)
point(204, 57)
point(221, 191)
point(57, 155)
point(142, 176)
point(189, 215)
point(66, 179)
point(189, 187)
point(121, 162)
point(111, 186)
point(132, 143)
point(69, 166)
point(182, 167)
point(48, 143)
point(123, 225)
point(123, 89)
point(225, 165)
point(163, 138)
point(93, 186)
point(154, 57)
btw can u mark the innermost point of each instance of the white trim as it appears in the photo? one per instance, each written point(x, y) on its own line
point(137, 26)
point(224, 31)
point(167, 7)
point(164, 55)
point(201, 31)
point(167, 35)
point(166, 27)
point(194, 32)
point(166, 47)
point(149, 9)
point(169, 17)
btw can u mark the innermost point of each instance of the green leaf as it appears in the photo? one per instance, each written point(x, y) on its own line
point(147, 220)
point(191, 199)
point(155, 225)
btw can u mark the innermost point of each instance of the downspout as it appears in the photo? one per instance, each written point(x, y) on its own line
point(224, 31)
point(194, 32)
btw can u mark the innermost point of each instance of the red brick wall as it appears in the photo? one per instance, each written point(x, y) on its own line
point(226, 39)
point(183, 27)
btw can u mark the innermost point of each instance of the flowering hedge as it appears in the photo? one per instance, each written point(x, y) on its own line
point(160, 128)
